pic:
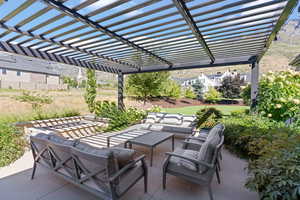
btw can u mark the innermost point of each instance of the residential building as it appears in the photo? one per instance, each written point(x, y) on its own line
point(213, 80)
point(17, 72)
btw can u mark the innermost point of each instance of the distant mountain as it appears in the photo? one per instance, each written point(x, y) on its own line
point(277, 58)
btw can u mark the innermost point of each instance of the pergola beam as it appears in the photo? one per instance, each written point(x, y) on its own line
point(74, 14)
point(287, 11)
point(21, 50)
point(184, 11)
point(192, 66)
point(60, 44)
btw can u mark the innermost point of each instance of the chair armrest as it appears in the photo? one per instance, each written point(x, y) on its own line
point(197, 162)
point(125, 168)
point(199, 138)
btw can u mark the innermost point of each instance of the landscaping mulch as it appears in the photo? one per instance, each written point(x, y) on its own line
point(176, 103)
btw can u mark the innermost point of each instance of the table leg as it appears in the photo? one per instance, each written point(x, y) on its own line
point(151, 157)
point(173, 142)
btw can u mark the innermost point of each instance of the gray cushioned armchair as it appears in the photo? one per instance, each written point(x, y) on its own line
point(195, 166)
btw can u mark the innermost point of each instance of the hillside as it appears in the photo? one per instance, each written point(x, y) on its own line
point(277, 57)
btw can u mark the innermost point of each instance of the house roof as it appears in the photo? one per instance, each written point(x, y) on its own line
point(23, 63)
point(135, 36)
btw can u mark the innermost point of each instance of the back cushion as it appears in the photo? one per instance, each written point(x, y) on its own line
point(188, 120)
point(151, 118)
point(216, 131)
point(205, 154)
point(174, 119)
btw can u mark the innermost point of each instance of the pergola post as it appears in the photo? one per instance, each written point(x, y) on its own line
point(121, 91)
point(254, 83)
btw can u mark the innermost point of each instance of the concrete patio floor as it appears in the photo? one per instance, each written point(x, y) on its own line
point(15, 183)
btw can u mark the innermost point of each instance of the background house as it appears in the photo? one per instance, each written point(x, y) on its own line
point(17, 72)
point(213, 80)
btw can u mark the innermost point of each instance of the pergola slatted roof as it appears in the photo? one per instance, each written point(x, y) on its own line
point(133, 36)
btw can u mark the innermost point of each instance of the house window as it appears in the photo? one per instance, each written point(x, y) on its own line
point(18, 73)
point(4, 71)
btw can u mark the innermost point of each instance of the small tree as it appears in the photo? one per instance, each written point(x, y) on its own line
point(189, 93)
point(172, 89)
point(146, 85)
point(246, 95)
point(36, 100)
point(198, 89)
point(212, 95)
point(91, 90)
point(72, 83)
point(231, 86)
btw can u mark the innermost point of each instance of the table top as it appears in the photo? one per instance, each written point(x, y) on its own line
point(152, 138)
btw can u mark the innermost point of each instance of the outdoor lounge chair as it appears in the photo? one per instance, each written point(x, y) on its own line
point(107, 173)
point(195, 166)
point(195, 141)
point(174, 123)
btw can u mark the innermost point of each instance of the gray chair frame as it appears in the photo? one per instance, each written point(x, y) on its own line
point(78, 173)
point(212, 168)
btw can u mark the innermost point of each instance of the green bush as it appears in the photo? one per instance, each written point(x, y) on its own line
point(279, 95)
point(246, 95)
point(271, 148)
point(12, 143)
point(208, 117)
point(35, 99)
point(118, 119)
point(189, 93)
point(212, 95)
point(171, 89)
point(276, 177)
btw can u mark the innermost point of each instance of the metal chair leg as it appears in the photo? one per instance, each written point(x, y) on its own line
point(33, 170)
point(218, 176)
point(164, 180)
point(210, 193)
point(145, 183)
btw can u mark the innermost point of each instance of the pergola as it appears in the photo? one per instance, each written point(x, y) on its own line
point(136, 36)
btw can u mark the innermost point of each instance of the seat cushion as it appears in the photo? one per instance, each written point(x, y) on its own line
point(186, 163)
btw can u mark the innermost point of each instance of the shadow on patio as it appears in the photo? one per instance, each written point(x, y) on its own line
point(15, 183)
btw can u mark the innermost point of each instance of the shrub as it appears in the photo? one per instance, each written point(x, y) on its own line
point(276, 177)
point(12, 144)
point(118, 119)
point(189, 93)
point(172, 89)
point(208, 117)
point(91, 90)
point(198, 89)
point(36, 100)
point(246, 95)
point(279, 95)
point(212, 95)
point(231, 86)
point(273, 152)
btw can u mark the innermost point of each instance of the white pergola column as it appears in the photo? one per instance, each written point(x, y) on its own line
point(254, 83)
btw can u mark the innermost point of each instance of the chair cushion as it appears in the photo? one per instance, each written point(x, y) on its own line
point(186, 163)
point(124, 156)
point(205, 154)
point(61, 140)
point(174, 119)
point(151, 118)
